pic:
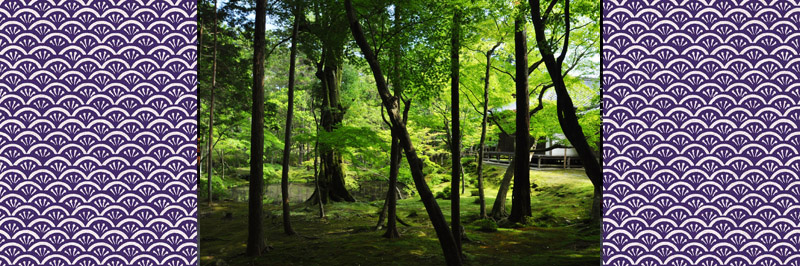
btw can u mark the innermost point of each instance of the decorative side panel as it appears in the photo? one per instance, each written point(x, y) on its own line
point(701, 134)
point(98, 135)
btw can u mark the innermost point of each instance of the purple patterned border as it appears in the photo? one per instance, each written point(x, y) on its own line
point(98, 133)
point(701, 134)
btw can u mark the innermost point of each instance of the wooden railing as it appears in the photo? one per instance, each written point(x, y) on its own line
point(537, 160)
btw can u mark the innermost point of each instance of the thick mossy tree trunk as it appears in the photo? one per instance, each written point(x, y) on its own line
point(256, 242)
point(446, 240)
point(455, 142)
point(287, 221)
point(521, 194)
point(565, 108)
point(331, 179)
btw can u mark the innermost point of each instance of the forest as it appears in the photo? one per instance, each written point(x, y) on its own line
point(378, 132)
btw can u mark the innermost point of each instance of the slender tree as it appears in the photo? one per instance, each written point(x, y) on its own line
point(396, 150)
point(484, 114)
point(256, 242)
point(521, 195)
point(565, 108)
point(446, 240)
point(455, 143)
point(316, 161)
point(287, 146)
point(394, 170)
point(211, 106)
point(499, 207)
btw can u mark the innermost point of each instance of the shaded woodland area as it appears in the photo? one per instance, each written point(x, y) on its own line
point(362, 131)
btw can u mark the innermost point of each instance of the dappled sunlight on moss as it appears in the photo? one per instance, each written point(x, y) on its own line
point(346, 236)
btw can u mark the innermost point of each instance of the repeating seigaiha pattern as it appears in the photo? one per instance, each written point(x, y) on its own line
point(701, 137)
point(98, 132)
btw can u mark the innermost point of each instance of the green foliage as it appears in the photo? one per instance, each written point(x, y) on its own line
point(444, 194)
point(413, 49)
point(346, 138)
point(218, 186)
point(591, 121)
point(414, 53)
point(544, 124)
point(272, 173)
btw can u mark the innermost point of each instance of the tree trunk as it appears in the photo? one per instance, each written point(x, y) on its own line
point(499, 207)
point(211, 107)
point(566, 110)
point(481, 195)
point(503, 190)
point(463, 179)
point(287, 141)
point(395, 154)
point(332, 185)
point(256, 242)
point(521, 195)
point(394, 169)
point(316, 163)
point(455, 142)
point(300, 155)
point(382, 213)
point(449, 248)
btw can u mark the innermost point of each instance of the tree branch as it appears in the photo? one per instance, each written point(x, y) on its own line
point(506, 72)
point(563, 54)
point(541, 105)
point(549, 9)
point(534, 66)
point(383, 115)
point(497, 123)
point(204, 155)
point(469, 99)
point(570, 30)
point(271, 50)
point(476, 50)
point(395, 33)
point(406, 108)
point(578, 58)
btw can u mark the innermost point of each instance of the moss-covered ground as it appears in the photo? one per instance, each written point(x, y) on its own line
point(556, 235)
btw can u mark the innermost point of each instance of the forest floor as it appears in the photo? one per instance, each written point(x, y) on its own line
point(556, 235)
